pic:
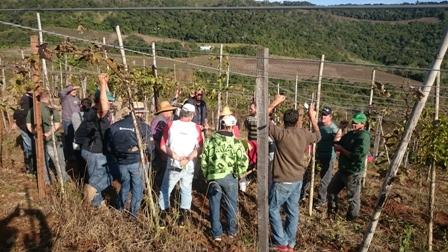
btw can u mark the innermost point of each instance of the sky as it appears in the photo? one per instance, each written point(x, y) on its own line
point(333, 2)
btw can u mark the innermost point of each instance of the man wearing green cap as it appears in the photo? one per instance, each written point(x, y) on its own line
point(353, 148)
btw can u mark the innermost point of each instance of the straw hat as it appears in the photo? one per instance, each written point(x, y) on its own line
point(165, 106)
point(226, 111)
point(139, 107)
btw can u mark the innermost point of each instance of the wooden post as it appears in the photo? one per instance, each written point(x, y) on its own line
point(105, 51)
point(411, 124)
point(386, 149)
point(278, 88)
point(295, 90)
point(38, 136)
point(138, 135)
point(60, 76)
point(366, 163)
point(41, 41)
point(174, 71)
point(65, 70)
point(219, 87)
point(3, 76)
point(227, 83)
point(432, 188)
point(22, 54)
point(84, 87)
point(377, 141)
point(313, 156)
point(155, 98)
point(262, 101)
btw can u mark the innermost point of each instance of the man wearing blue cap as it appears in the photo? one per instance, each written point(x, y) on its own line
point(353, 148)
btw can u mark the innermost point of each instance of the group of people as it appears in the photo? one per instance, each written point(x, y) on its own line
point(176, 144)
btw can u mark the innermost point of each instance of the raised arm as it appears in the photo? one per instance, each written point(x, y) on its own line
point(104, 103)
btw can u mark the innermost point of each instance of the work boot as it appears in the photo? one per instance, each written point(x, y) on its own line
point(89, 194)
point(163, 219)
point(183, 217)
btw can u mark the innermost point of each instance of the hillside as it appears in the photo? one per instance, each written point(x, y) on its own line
point(406, 39)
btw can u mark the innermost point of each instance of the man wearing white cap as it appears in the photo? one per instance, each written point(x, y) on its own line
point(124, 147)
point(180, 142)
point(224, 160)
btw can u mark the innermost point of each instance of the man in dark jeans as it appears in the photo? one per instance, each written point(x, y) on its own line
point(26, 104)
point(353, 149)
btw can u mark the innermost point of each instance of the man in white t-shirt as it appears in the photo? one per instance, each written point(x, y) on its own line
point(181, 141)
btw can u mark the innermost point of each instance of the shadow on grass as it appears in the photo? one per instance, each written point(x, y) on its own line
point(37, 238)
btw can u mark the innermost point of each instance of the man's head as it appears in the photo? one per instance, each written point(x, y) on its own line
point(86, 104)
point(165, 109)
point(44, 96)
point(326, 115)
point(72, 90)
point(229, 121)
point(187, 112)
point(199, 95)
point(139, 109)
point(252, 108)
point(359, 121)
point(290, 118)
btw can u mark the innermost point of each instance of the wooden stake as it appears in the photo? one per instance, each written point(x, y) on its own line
point(219, 87)
point(411, 124)
point(105, 51)
point(262, 100)
point(3, 76)
point(295, 90)
point(38, 136)
point(366, 163)
point(227, 83)
point(41, 41)
point(155, 98)
point(138, 135)
point(313, 157)
point(22, 54)
point(432, 188)
point(377, 141)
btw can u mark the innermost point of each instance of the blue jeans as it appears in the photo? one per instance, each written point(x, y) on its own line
point(99, 174)
point(28, 143)
point(284, 195)
point(131, 179)
point(227, 187)
point(50, 153)
point(170, 178)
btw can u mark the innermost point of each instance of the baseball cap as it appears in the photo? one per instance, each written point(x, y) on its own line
point(359, 118)
point(326, 111)
point(189, 107)
point(229, 120)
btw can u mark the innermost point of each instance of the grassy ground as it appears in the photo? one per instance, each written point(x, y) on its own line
point(62, 223)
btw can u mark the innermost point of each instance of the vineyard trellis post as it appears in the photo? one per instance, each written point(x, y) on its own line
point(155, 95)
point(227, 83)
point(46, 85)
point(3, 76)
point(262, 100)
point(38, 136)
point(105, 51)
point(377, 140)
point(41, 41)
point(138, 135)
point(398, 156)
point(313, 154)
point(61, 78)
point(22, 54)
point(366, 163)
point(433, 170)
point(219, 87)
point(295, 90)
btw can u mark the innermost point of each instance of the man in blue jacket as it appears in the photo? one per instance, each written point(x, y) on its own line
point(124, 147)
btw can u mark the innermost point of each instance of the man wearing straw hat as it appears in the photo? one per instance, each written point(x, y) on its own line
point(124, 146)
point(162, 119)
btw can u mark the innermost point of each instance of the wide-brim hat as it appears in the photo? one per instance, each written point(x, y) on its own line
point(71, 88)
point(226, 111)
point(165, 106)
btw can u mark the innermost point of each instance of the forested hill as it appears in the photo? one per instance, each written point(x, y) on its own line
point(342, 35)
